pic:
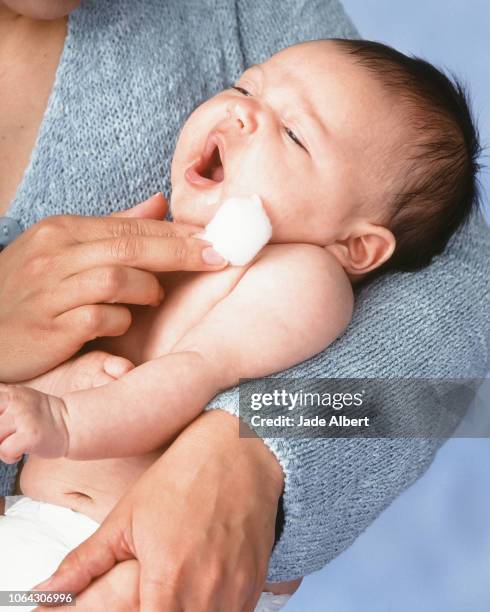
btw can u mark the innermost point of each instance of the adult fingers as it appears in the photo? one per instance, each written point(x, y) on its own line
point(155, 594)
point(151, 253)
point(109, 284)
point(91, 229)
point(173, 588)
point(115, 590)
point(154, 207)
point(91, 559)
point(94, 321)
point(251, 602)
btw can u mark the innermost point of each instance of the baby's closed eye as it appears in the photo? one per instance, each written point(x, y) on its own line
point(287, 130)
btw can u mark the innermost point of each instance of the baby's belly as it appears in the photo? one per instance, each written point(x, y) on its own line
point(90, 487)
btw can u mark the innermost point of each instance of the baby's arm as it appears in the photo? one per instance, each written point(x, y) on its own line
point(292, 303)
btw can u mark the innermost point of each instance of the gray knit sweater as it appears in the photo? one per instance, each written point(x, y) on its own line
point(129, 75)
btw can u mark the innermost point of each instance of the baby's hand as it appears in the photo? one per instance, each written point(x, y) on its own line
point(31, 422)
point(93, 369)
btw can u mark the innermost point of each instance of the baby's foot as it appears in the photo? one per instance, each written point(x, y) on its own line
point(93, 369)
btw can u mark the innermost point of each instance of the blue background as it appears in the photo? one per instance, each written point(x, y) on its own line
point(430, 550)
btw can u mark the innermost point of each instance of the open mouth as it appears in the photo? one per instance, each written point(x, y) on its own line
point(208, 171)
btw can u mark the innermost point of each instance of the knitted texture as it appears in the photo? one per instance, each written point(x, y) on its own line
point(129, 75)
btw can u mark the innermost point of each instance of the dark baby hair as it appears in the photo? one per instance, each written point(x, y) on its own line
point(438, 187)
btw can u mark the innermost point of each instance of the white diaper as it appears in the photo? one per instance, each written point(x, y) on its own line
point(36, 536)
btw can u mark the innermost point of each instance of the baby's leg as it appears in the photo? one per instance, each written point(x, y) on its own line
point(84, 372)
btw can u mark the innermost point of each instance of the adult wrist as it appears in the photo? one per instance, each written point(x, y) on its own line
point(227, 432)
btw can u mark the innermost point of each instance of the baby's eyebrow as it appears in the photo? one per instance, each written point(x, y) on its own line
point(256, 70)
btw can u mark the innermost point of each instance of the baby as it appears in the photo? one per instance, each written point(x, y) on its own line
point(364, 160)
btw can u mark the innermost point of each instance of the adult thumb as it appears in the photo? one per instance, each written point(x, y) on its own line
point(91, 559)
point(152, 208)
point(155, 592)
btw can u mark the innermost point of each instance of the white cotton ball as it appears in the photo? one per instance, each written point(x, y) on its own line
point(239, 229)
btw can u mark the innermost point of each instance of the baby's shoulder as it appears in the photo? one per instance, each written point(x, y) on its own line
point(303, 264)
point(306, 278)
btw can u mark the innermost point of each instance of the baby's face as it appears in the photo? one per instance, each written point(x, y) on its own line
point(303, 130)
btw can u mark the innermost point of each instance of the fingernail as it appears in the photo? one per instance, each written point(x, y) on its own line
point(211, 257)
point(159, 300)
point(199, 235)
point(161, 295)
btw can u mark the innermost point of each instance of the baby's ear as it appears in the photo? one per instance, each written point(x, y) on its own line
point(367, 247)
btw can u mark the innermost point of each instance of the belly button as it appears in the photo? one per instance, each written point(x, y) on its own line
point(81, 498)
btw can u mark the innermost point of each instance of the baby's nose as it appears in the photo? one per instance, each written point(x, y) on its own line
point(243, 115)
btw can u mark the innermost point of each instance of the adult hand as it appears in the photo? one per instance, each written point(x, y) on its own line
point(200, 522)
point(62, 282)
